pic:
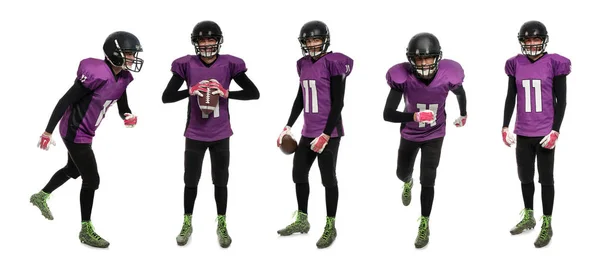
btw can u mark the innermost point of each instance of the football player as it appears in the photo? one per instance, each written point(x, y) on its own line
point(201, 71)
point(537, 84)
point(99, 84)
point(424, 81)
point(321, 98)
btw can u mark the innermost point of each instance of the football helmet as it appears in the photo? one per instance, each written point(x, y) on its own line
point(424, 45)
point(314, 29)
point(119, 43)
point(207, 29)
point(533, 29)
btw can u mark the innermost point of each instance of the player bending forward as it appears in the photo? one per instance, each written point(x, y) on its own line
point(321, 95)
point(424, 81)
point(99, 84)
point(538, 81)
point(207, 73)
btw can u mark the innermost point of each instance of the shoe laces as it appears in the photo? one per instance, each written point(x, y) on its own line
point(423, 226)
point(526, 214)
point(328, 228)
point(91, 232)
point(545, 227)
point(222, 226)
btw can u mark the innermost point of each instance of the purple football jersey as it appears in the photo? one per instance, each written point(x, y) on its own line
point(315, 78)
point(79, 123)
point(215, 126)
point(418, 97)
point(535, 99)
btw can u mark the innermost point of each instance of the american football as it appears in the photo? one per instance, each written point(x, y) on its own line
point(288, 145)
point(208, 101)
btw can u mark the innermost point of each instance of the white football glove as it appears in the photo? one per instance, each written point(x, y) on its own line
point(286, 131)
point(508, 137)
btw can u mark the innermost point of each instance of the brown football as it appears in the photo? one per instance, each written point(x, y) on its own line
point(208, 102)
point(288, 145)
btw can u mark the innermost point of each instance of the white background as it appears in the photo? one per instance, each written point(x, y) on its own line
point(139, 205)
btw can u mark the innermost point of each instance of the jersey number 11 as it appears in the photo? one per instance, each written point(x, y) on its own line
point(537, 93)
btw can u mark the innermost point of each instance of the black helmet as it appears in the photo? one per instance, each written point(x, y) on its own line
point(119, 43)
point(207, 29)
point(533, 29)
point(424, 45)
point(314, 29)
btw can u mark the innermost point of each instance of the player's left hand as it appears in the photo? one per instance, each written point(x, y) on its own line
point(319, 143)
point(549, 141)
point(130, 120)
point(214, 84)
point(460, 121)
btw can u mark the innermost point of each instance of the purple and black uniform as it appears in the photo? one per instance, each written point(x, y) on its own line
point(208, 132)
point(538, 88)
point(419, 96)
point(80, 112)
point(321, 97)
point(215, 126)
point(422, 95)
point(80, 121)
point(315, 83)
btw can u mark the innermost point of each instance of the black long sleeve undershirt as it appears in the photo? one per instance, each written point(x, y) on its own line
point(73, 95)
point(173, 94)
point(123, 105)
point(461, 96)
point(559, 86)
point(337, 89)
point(249, 90)
point(296, 108)
point(509, 103)
point(390, 111)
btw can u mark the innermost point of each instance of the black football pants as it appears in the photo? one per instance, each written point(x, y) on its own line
point(81, 162)
point(304, 158)
point(431, 151)
point(194, 157)
point(528, 148)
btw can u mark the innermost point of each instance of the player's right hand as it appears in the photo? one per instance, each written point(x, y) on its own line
point(200, 87)
point(508, 137)
point(45, 141)
point(286, 131)
point(425, 116)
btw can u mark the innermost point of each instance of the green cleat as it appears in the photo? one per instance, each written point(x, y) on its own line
point(186, 230)
point(406, 193)
point(423, 234)
point(528, 222)
point(545, 234)
point(224, 238)
point(301, 225)
point(329, 234)
point(88, 236)
point(39, 200)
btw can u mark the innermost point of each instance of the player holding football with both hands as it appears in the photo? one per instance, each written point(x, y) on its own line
point(321, 97)
point(99, 84)
point(207, 73)
point(537, 84)
point(424, 81)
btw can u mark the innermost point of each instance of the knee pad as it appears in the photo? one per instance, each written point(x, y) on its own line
point(329, 180)
point(71, 172)
point(404, 174)
point(220, 179)
point(546, 180)
point(91, 182)
point(428, 177)
point(300, 176)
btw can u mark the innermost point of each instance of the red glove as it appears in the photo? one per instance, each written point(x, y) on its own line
point(460, 121)
point(319, 143)
point(45, 141)
point(214, 84)
point(200, 87)
point(549, 141)
point(286, 131)
point(130, 120)
point(508, 137)
point(425, 116)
